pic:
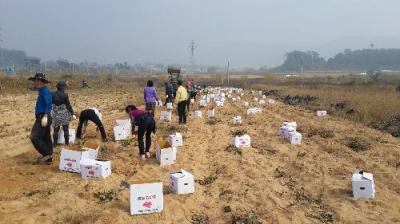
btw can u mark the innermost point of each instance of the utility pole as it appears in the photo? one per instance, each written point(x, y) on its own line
point(192, 47)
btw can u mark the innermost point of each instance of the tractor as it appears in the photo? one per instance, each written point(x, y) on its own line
point(174, 75)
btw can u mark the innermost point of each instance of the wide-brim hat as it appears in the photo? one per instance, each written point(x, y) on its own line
point(39, 76)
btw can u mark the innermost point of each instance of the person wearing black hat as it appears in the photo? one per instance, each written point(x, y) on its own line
point(40, 135)
point(61, 112)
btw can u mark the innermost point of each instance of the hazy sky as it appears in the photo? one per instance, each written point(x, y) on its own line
point(246, 32)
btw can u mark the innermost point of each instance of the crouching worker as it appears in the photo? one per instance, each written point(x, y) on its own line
point(146, 125)
point(94, 115)
point(40, 135)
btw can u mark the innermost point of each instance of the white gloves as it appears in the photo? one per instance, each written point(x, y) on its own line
point(44, 121)
point(74, 117)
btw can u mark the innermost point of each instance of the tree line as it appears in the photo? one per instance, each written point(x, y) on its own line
point(357, 60)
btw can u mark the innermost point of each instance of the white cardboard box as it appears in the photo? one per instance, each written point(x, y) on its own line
point(321, 113)
point(237, 120)
point(166, 116)
point(61, 139)
point(91, 168)
point(121, 133)
point(146, 197)
point(175, 140)
point(253, 110)
point(363, 185)
point(165, 154)
point(290, 124)
point(181, 182)
point(123, 122)
point(243, 141)
point(197, 114)
point(211, 113)
point(203, 103)
point(295, 138)
point(287, 131)
point(70, 160)
point(170, 106)
point(92, 147)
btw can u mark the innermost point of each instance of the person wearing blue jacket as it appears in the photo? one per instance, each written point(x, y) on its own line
point(40, 135)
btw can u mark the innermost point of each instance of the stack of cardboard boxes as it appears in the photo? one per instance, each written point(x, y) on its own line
point(288, 131)
point(147, 197)
point(83, 160)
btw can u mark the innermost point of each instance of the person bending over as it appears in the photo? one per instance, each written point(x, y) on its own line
point(146, 125)
point(94, 115)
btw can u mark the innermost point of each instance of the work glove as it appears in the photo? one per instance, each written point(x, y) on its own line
point(44, 121)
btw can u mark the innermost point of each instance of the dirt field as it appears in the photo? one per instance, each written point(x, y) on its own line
point(272, 182)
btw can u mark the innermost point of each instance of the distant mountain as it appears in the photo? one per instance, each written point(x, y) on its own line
point(330, 49)
point(357, 60)
point(15, 57)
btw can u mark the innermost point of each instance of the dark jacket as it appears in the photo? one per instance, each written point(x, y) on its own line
point(169, 90)
point(60, 98)
point(145, 122)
